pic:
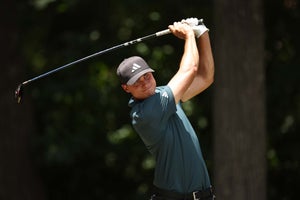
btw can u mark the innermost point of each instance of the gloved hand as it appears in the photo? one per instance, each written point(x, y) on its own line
point(191, 21)
point(198, 28)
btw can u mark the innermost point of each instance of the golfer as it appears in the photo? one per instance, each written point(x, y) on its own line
point(158, 118)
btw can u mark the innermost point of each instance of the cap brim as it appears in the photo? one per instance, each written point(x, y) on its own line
point(138, 75)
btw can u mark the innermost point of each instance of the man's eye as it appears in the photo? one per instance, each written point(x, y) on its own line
point(147, 76)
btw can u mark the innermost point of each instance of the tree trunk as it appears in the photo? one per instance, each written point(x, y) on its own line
point(17, 177)
point(239, 101)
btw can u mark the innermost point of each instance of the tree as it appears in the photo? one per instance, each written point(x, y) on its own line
point(239, 97)
point(283, 94)
point(17, 175)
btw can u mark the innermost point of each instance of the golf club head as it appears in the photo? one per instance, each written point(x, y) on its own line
point(19, 93)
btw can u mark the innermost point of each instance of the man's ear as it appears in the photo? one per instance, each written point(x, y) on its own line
point(125, 88)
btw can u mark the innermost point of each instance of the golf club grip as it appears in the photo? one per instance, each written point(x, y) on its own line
point(167, 31)
point(164, 32)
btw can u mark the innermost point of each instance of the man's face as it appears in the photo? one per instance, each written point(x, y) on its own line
point(143, 88)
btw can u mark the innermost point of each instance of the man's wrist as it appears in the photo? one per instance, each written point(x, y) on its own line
point(199, 30)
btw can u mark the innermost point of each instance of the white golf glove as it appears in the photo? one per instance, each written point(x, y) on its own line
point(198, 28)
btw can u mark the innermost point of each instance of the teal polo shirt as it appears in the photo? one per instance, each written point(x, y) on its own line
point(169, 136)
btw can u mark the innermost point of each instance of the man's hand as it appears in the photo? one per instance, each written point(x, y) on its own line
point(198, 28)
point(181, 30)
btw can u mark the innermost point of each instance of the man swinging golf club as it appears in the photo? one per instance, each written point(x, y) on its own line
point(157, 116)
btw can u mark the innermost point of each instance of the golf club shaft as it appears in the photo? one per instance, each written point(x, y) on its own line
point(157, 34)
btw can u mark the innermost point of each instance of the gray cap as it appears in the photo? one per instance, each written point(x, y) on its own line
point(131, 69)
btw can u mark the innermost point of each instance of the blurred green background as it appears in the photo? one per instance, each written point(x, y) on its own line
point(71, 138)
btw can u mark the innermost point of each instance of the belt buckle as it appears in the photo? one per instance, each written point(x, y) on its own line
point(194, 196)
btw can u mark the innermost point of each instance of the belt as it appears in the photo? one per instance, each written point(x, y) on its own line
point(196, 195)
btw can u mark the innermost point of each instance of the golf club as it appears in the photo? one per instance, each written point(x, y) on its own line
point(19, 91)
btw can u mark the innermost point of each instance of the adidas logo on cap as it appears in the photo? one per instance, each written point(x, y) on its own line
point(135, 67)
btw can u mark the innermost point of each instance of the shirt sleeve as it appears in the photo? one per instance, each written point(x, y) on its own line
point(150, 117)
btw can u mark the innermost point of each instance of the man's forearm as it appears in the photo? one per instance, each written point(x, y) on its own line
point(190, 57)
point(206, 61)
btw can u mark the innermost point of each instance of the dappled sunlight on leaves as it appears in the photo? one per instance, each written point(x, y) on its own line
point(120, 135)
point(148, 163)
